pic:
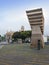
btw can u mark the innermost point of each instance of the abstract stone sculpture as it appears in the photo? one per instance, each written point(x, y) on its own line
point(36, 21)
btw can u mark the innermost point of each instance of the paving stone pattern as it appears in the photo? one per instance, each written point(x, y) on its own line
point(24, 55)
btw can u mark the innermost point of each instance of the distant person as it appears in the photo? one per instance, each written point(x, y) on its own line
point(38, 45)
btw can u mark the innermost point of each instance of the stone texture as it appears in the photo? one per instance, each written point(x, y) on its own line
point(36, 21)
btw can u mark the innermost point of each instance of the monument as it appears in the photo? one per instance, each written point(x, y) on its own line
point(36, 21)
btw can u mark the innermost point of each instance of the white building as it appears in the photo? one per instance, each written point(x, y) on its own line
point(45, 38)
point(9, 36)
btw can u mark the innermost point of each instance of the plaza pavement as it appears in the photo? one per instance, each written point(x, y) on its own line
point(22, 54)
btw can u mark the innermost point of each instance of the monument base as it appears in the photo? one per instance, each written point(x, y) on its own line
point(36, 35)
point(34, 41)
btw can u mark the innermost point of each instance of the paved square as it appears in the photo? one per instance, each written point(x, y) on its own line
point(22, 54)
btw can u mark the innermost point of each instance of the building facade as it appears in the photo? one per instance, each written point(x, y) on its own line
point(9, 36)
point(22, 28)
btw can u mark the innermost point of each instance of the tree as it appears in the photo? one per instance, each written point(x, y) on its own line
point(0, 38)
point(16, 35)
point(23, 35)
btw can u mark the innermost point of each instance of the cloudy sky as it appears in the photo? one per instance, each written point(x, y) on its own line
point(13, 14)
